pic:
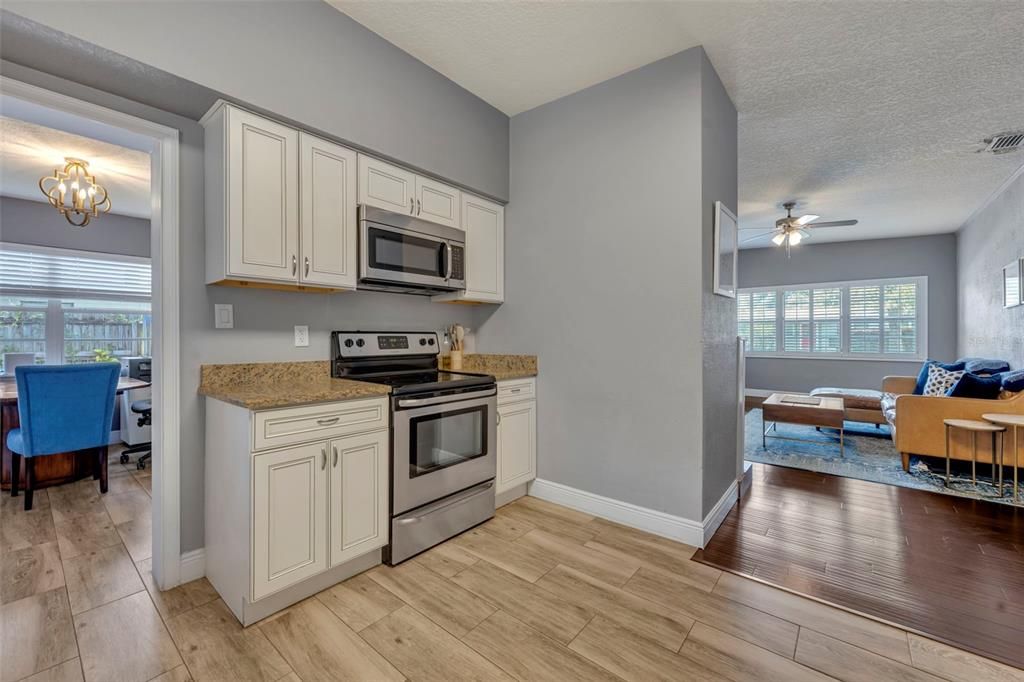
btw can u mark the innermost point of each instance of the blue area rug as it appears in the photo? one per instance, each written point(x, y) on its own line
point(869, 455)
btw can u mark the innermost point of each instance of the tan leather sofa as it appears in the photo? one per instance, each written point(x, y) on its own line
point(917, 427)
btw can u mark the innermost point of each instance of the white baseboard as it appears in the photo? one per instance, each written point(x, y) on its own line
point(626, 513)
point(718, 513)
point(651, 520)
point(193, 565)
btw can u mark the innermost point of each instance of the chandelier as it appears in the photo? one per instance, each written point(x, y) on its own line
point(75, 193)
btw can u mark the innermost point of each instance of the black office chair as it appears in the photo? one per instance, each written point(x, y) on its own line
point(143, 408)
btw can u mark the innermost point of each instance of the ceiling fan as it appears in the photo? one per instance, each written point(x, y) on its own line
point(791, 231)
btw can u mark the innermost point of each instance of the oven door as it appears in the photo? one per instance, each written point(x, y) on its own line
point(391, 254)
point(442, 444)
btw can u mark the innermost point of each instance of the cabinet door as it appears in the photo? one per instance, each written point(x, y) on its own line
point(437, 202)
point(517, 444)
point(263, 198)
point(386, 186)
point(289, 507)
point(484, 222)
point(359, 495)
point(327, 213)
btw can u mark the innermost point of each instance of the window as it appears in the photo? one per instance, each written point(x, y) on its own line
point(881, 319)
point(69, 307)
point(757, 320)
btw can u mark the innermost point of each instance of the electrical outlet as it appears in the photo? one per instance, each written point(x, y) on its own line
point(223, 316)
point(301, 335)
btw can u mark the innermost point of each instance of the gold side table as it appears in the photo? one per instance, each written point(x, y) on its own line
point(1015, 422)
point(974, 428)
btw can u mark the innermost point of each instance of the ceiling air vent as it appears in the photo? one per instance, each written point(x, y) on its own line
point(1005, 142)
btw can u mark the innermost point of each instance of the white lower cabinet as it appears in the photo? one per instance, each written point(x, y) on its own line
point(289, 517)
point(359, 495)
point(517, 437)
point(287, 520)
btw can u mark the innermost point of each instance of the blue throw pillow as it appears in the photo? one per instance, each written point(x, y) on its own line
point(922, 376)
point(1013, 381)
point(984, 365)
point(974, 386)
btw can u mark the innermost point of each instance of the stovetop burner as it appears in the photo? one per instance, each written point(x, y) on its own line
point(405, 361)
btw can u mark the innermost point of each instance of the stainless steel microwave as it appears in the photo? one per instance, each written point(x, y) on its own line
point(402, 253)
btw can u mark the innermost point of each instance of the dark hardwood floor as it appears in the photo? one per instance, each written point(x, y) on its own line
point(950, 568)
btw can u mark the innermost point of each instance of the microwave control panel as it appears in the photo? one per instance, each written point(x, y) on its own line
point(458, 263)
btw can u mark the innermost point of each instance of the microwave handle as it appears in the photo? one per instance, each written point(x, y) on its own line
point(448, 260)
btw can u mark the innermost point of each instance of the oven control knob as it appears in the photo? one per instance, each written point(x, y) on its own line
point(423, 342)
point(430, 341)
point(348, 343)
point(360, 343)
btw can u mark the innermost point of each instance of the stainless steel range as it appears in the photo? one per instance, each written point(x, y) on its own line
point(443, 436)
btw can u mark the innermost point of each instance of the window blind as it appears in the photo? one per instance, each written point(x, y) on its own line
point(882, 319)
point(58, 273)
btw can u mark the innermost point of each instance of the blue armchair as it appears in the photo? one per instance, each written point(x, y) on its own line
point(62, 408)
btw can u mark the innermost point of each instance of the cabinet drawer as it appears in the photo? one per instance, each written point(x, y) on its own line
point(275, 428)
point(515, 390)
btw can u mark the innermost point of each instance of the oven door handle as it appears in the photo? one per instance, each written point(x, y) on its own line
point(431, 509)
point(441, 399)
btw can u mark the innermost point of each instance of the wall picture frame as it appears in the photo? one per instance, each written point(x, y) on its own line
point(726, 251)
point(1013, 284)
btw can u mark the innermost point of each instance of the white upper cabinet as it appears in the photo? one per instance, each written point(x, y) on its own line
point(386, 186)
point(252, 207)
point(484, 223)
point(437, 202)
point(328, 214)
point(359, 495)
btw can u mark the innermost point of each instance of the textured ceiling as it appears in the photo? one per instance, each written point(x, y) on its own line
point(28, 151)
point(867, 110)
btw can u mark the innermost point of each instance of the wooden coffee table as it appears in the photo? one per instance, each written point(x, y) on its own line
point(798, 408)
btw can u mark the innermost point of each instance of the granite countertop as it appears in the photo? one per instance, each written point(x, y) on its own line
point(502, 367)
point(270, 385)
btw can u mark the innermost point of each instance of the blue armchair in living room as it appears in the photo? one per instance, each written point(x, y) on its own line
point(62, 408)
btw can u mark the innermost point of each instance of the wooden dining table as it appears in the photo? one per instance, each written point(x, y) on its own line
point(51, 469)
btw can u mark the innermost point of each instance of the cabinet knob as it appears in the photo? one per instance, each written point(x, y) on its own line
point(323, 458)
point(419, 207)
point(335, 464)
point(295, 265)
point(412, 205)
point(306, 259)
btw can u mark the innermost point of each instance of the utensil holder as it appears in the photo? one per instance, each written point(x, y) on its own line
point(455, 360)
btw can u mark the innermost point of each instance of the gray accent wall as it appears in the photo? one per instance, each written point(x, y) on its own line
point(39, 224)
point(719, 169)
point(263, 319)
point(603, 283)
point(934, 257)
point(987, 242)
point(302, 61)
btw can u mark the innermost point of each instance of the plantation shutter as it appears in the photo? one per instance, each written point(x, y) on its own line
point(796, 325)
point(866, 319)
point(827, 312)
point(764, 330)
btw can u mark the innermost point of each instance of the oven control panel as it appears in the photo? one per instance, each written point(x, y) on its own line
point(383, 344)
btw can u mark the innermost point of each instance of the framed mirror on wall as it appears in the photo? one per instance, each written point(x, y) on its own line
point(1013, 284)
point(726, 245)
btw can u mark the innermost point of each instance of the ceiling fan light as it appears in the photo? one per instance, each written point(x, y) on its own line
point(795, 238)
point(779, 238)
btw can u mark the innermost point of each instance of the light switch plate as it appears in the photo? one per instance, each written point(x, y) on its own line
point(301, 335)
point(223, 316)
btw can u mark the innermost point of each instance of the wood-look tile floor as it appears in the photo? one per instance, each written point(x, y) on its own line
point(540, 592)
point(949, 567)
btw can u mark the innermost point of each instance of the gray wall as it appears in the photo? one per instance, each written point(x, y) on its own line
point(719, 168)
point(934, 257)
point(263, 319)
point(602, 282)
point(987, 242)
point(36, 223)
point(301, 60)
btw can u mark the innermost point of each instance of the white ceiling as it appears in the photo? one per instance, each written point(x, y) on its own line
point(867, 110)
point(29, 151)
